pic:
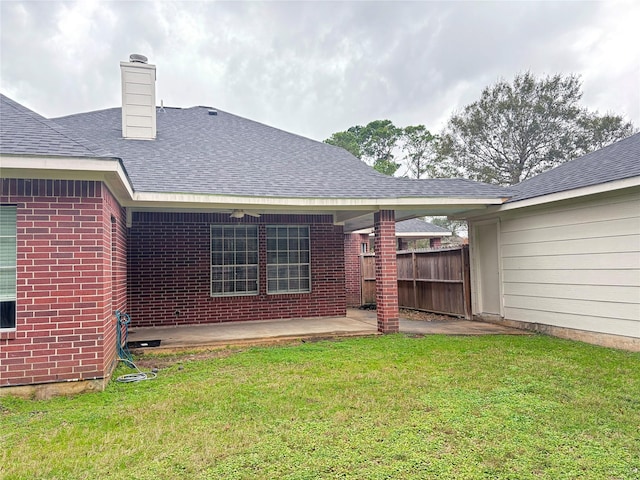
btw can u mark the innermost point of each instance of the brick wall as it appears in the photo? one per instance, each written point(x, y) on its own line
point(64, 326)
point(169, 272)
point(115, 267)
point(353, 277)
point(386, 272)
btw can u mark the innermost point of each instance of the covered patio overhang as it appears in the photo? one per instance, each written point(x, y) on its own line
point(352, 214)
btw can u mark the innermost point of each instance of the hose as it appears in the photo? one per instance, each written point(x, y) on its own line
point(124, 355)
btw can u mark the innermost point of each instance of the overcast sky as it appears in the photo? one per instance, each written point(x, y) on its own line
point(315, 68)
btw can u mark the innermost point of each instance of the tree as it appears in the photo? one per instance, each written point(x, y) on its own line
point(517, 130)
point(374, 144)
point(418, 143)
point(456, 227)
point(347, 140)
point(600, 131)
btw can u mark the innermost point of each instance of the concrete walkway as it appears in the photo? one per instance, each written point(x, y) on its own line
point(255, 332)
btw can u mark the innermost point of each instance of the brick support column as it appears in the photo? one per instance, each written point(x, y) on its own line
point(386, 272)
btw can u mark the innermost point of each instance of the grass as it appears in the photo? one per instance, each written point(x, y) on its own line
point(369, 408)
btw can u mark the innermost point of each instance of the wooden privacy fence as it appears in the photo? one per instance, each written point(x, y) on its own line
point(431, 280)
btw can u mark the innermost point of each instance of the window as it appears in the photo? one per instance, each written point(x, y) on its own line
point(234, 260)
point(364, 247)
point(288, 263)
point(8, 267)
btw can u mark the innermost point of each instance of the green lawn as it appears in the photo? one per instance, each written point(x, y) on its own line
point(371, 408)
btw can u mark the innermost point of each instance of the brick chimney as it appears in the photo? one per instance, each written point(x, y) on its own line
point(138, 98)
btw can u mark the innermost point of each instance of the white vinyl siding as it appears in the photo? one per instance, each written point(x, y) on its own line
point(574, 265)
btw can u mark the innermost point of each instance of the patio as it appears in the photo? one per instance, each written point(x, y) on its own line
point(254, 332)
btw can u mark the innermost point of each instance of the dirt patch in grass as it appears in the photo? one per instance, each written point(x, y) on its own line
point(147, 361)
point(424, 316)
point(410, 314)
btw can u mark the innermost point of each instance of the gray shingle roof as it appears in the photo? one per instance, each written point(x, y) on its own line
point(24, 132)
point(224, 154)
point(615, 162)
point(415, 225)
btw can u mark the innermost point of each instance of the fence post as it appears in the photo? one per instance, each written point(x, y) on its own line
point(362, 280)
point(466, 280)
point(415, 282)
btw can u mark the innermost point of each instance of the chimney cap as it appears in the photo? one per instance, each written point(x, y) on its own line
point(137, 58)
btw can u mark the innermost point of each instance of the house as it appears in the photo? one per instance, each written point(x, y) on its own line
point(409, 231)
point(562, 255)
point(180, 216)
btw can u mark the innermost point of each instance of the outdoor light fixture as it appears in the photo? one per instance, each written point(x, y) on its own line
point(242, 213)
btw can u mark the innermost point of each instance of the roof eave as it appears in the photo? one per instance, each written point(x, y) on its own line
point(208, 200)
point(556, 197)
point(107, 169)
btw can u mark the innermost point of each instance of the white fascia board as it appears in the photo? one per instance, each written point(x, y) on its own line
point(557, 197)
point(109, 170)
point(151, 199)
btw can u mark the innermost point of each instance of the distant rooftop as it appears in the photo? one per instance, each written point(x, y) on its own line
point(418, 226)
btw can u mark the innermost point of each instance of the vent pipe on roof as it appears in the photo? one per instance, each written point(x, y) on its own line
point(136, 58)
point(138, 98)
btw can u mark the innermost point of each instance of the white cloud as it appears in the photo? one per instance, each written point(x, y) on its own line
point(316, 67)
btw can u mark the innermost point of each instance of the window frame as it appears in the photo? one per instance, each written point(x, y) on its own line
point(14, 267)
point(222, 266)
point(288, 251)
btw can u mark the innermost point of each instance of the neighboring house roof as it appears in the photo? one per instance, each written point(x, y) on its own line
point(617, 161)
point(224, 154)
point(415, 226)
point(24, 132)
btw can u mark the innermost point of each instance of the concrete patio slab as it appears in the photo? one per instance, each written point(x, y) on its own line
point(255, 332)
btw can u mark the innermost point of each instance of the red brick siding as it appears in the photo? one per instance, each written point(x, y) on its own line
point(386, 272)
point(353, 280)
point(169, 272)
point(64, 282)
point(115, 262)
